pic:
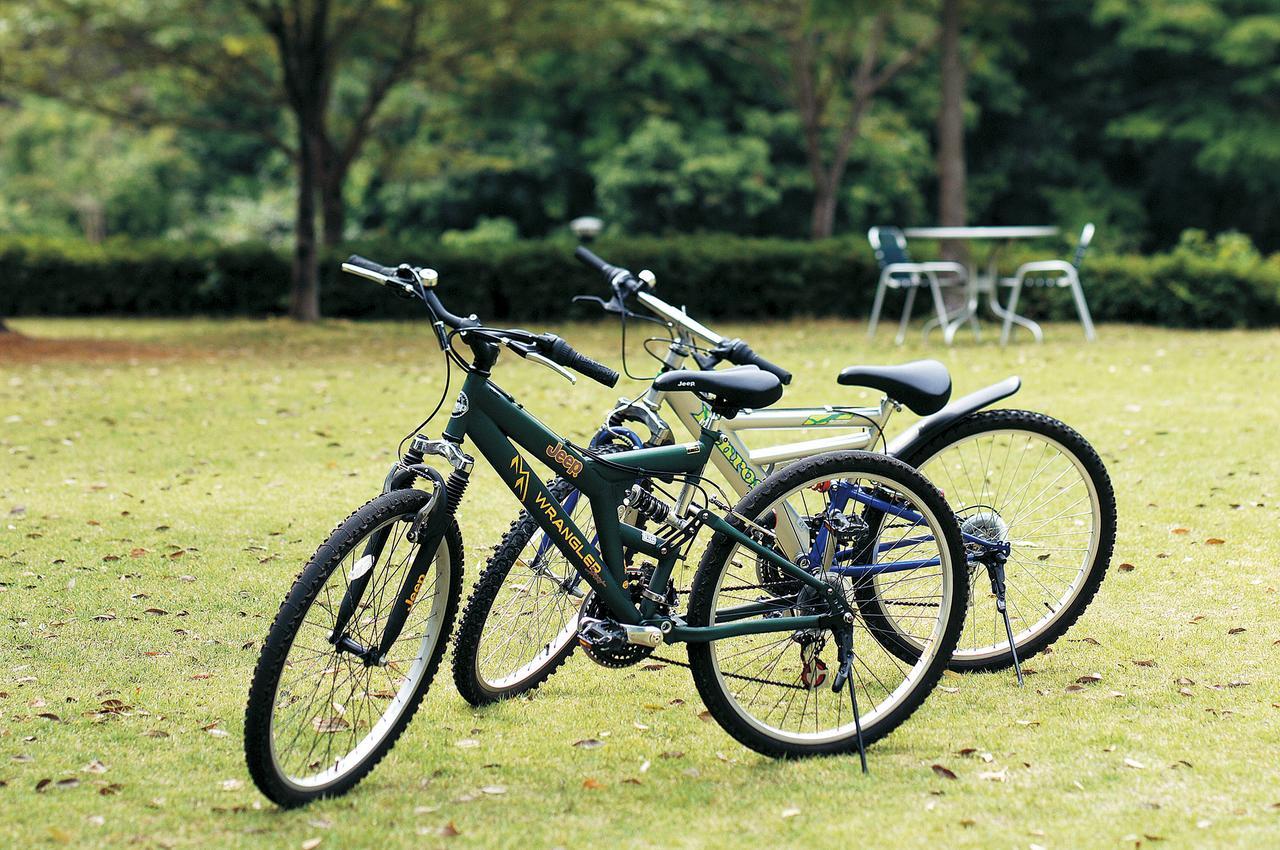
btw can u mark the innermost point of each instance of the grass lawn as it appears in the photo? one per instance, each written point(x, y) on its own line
point(160, 487)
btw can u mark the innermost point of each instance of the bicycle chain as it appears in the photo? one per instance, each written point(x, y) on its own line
point(753, 679)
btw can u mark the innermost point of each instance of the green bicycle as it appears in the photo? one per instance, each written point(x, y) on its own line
point(789, 665)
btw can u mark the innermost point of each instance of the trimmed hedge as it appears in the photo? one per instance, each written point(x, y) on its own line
point(715, 276)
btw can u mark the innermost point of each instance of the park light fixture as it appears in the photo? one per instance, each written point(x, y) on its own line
point(586, 227)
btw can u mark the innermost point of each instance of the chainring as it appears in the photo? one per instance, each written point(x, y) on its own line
point(620, 653)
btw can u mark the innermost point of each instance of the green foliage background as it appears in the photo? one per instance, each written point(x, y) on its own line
point(1147, 118)
point(1202, 282)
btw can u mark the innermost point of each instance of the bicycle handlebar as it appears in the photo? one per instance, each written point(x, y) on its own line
point(618, 277)
point(406, 277)
point(559, 351)
point(737, 352)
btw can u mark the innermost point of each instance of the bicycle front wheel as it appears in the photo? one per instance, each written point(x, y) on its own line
point(1035, 483)
point(318, 717)
point(772, 691)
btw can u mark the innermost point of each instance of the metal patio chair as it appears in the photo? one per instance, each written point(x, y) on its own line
point(897, 271)
point(1057, 273)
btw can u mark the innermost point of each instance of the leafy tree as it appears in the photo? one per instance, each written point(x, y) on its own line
point(662, 176)
point(1202, 101)
point(832, 59)
point(952, 192)
point(237, 66)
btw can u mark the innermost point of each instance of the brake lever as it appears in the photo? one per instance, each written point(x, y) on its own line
point(610, 306)
point(706, 362)
point(553, 366)
point(529, 353)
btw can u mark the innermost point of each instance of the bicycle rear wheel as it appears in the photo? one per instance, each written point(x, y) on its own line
point(1032, 481)
point(772, 691)
point(318, 718)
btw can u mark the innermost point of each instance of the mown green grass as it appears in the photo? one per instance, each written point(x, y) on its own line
point(221, 454)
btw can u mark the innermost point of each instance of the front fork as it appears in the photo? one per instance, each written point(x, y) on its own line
point(427, 531)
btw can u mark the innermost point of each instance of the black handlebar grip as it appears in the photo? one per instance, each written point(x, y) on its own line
point(567, 356)
point(739, 353)
point(591, 261)
point(617, 276)
point(370, 265)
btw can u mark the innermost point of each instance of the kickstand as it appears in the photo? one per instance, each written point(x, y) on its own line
point(998, 588)
point(844, 641)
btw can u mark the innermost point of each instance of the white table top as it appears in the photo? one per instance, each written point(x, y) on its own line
point(1027, 232)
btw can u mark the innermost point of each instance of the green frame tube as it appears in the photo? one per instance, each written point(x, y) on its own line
point(495, 421)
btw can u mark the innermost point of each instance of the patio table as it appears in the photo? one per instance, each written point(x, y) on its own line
point(983, 283)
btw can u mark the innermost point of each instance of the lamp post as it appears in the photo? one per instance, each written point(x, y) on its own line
point(586, 227)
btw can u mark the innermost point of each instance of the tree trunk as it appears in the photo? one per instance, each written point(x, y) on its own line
point(304, 303)
point(334, 210)
point(825, 196)
point(952, 192)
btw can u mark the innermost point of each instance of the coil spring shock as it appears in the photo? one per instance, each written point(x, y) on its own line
point(646, 504)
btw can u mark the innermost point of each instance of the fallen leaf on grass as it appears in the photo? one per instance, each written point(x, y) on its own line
point(1180, 530)
point(1145, 662)
point(1237, 630)
point(449, 831)
point(467, 743)
point(311, 843)
point(944, 772)
point(790, 812)
point(1090, 678)
point(1135, 764)
point(494, 790)
point(1126, 568)
point(995, 776)
point(1186, 692)
point(1215, 541)
point(592, 783)
point(94, 766)
point(231, 784)
point(588, 744)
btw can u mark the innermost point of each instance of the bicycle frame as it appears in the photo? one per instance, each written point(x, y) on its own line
point(744, 468)
point(493, 420)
